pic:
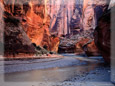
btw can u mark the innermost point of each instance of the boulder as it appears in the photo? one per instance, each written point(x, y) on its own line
point(66, 49)
point(91, 49)
point(66, 45)
point(79, 45)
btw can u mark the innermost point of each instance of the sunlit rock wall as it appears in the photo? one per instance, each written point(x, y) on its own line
point(34, 18)
point(32, 15)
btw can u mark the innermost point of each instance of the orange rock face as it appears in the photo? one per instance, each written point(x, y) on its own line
point(34, 24)
point(79, 45)
point(54, 44)
point(85, 45)
point(91, 49)
point(37, 28)
point(34, 20)
point(32, 17)
point(50, 43)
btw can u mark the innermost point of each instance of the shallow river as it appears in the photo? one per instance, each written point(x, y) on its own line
point(70, 68)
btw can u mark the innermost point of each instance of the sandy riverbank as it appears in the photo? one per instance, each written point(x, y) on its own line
point(30, 57)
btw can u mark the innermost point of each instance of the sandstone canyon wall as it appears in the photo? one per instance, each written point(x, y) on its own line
point(1, 29)
point(92, 11)
point(59, 17)
point(15, 39)
point(65, 16)
point(34, 20)
point(102, 34)
point(45, 21)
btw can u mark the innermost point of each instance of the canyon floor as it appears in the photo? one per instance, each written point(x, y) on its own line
point(71, 70)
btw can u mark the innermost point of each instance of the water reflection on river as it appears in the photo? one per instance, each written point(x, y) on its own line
point(50, 75)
